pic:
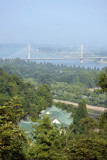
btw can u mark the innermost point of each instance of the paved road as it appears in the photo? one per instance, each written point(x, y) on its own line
point(90, 107)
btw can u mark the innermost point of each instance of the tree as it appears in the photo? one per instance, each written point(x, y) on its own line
point(87, 149)
point(103, 80)
point(12, 139)
point(81, 111)
point(103, 125)
point(80, 114)
point(86, 125)
point(45, 79)
point(44, 92)
point(47, 145)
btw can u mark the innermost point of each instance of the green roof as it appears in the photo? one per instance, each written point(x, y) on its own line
point(53, 108)
point(27, 125)
point(55, 113)
point(61, 115)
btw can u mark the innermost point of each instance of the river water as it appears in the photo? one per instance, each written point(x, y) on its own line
point(86, 64)
point(21, 51)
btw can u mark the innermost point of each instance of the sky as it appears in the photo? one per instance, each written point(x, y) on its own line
point(53, 21)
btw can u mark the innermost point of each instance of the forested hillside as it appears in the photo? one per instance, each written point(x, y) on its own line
point(84, 139)
point(66, 82)
point(32, 100)
point(48, 73)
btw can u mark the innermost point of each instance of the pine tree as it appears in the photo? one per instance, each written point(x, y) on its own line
point(83, 148)
point(47, 145)
point(81, 111)
point(103, 125)
point(80, 114)
point(12, 139)
point(102, 81)
point(44, 92)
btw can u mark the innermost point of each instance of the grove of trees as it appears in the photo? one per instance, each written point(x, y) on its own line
point(85, 139)
point(66, 82)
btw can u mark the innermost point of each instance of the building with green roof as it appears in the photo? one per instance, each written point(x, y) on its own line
point(27, 125)
point(58, 116)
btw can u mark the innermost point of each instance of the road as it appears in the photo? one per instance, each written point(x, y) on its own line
point(89, 107)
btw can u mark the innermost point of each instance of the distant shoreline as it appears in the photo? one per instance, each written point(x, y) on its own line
point(103, 62)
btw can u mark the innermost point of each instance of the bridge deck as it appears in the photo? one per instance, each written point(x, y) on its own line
point(64, 58)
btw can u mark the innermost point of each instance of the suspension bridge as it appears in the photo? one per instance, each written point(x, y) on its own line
point(28, 54)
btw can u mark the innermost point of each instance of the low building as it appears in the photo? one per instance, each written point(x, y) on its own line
point(27, 125)
point(58, 116)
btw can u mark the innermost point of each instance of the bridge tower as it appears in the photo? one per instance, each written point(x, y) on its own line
point(102, 59)
point(81, 58)
point(29, 51)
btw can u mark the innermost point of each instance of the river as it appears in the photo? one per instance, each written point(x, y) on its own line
point(21, 51)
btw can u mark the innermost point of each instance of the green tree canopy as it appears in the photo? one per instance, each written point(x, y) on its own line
point(12, 139)
point(103, 80)
point(87, 149)
point(81, 111)
point(44, 92)
point(47, 145)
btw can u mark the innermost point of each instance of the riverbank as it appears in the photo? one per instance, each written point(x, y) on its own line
point(89, 107)
point(102, 62)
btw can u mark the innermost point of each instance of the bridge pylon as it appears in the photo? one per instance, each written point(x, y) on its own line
point(29, 51)
point(81, 58)
point(102, 59)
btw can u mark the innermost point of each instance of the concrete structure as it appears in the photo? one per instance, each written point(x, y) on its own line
point(29, 51)
point(81, 59)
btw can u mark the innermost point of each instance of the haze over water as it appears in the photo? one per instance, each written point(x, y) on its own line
point(21, 51)
point(53, 22)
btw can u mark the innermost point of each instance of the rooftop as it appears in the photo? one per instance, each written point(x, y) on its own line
point(58, 116)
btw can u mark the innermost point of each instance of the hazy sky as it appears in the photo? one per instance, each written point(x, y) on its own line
point(53, 21)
